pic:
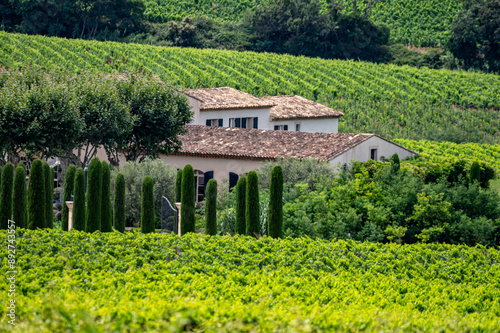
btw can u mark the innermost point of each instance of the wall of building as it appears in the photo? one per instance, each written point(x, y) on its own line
point(262, 114)
point(195, 108)
point(362, 151)
point(328, 125)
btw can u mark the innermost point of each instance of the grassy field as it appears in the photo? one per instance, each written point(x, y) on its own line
point(496, 185)
point(111, 282)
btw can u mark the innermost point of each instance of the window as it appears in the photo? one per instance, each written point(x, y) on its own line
point(281, 127)
point(246, 122)
point(373, 154)
point(215, 122)
point(233, 180)
point(297, 127)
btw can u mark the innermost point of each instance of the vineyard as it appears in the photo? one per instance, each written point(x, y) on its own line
point(112, 282)
point(393, 101)
point(415, 22)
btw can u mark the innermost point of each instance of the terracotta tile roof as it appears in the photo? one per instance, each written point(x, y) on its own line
point(229, 142)
point(226, 98)
point(296, 107)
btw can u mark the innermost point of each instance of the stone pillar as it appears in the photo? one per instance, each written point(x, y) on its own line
point(178, 205)
point(70, 214)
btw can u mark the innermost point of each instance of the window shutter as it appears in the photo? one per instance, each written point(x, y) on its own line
point(207, 175)
point(220, 122)
point(233, 179)
point(286, 127)
point(276, 128)
point(243, 122)
point(255, 122)
point(209, 122)
point(237, 122)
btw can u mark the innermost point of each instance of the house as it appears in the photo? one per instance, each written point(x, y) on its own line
point(228, 107)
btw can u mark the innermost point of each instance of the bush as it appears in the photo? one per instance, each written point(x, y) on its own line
point(106, 223)
point(187, 200)
point(119, 203)
point(49, 189)
point(79, 200)
point(94, 179)
point(147, 206)
point(475, 172)
point(241, 192)
point(69, 181)
point(6, 195)
point(178, 186)
point(19, 200)
point(252, 210)
point(211, 207)
point(275, 228)
point(36, 196)
point(163, 176)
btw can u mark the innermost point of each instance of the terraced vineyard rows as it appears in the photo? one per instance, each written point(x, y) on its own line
point(112, 282)
point(415, 22)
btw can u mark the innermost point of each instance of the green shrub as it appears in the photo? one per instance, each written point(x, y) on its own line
point(275, 228)
point(69, 181)
point(119, 203)
point(475, 172)
point(106, 223)
point(19, 200)
point(187, 200)
point(241, 192)
point(6, 195)
point(211, 207)
point(94, 179)
point(36, 196)
point(49, 192)
point(178, 186)
point(395, 163)
point(147, 206)
point(79, 200)
point(252, 210)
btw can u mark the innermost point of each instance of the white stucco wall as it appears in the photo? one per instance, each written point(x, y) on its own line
point(262, 114)
point(328, 125)
point(195, 108)
point(362, 151)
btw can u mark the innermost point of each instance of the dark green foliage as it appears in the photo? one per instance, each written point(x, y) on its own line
point(36, 196)
point(94, 179)
point(211, 207)
point(6, 195)
point(178, 186)
point(106, 222)
point(49, 193)
point(275, 227)
point(79, 200)
point(147, 206)
point(69, 181)
point(395, 163)
point(475, 172)
point(252, 209)
point(20, 198)
point(119, 203)
point(187, 200)
point(241, 193)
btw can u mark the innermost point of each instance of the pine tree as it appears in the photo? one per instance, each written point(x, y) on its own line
point(252, 211)
point(36, 196)
point(6, 195)
point(211, 208)
point(475, 172)
point(49, 192)
point(178, 186)
point(94, 178)
point(147, 206)
point(119, 203)
point(69, 181)
point(106, 223)
point(241, 192)
point(20, 198)
point(79, 200)
point(187, 200)
point(275, 220)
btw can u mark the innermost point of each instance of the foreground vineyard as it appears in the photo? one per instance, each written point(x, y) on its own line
point(388, 100)
point(415, 22)
point(133, 282)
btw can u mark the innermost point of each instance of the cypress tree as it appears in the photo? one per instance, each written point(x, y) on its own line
point(395, 163)
point(241, 192)
point(49, 192)
point(187, 200)
point(147, 206)
point(19, 201)
point(106, 223)
point(36, 196)
point(119, 203)
point(6, 195)
point(275, 220)
point(69, 181)
point(211, 208)
point(178, 186)
point(475, 172)
point(252, 211)
point(79, 200)
point(94, 178)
